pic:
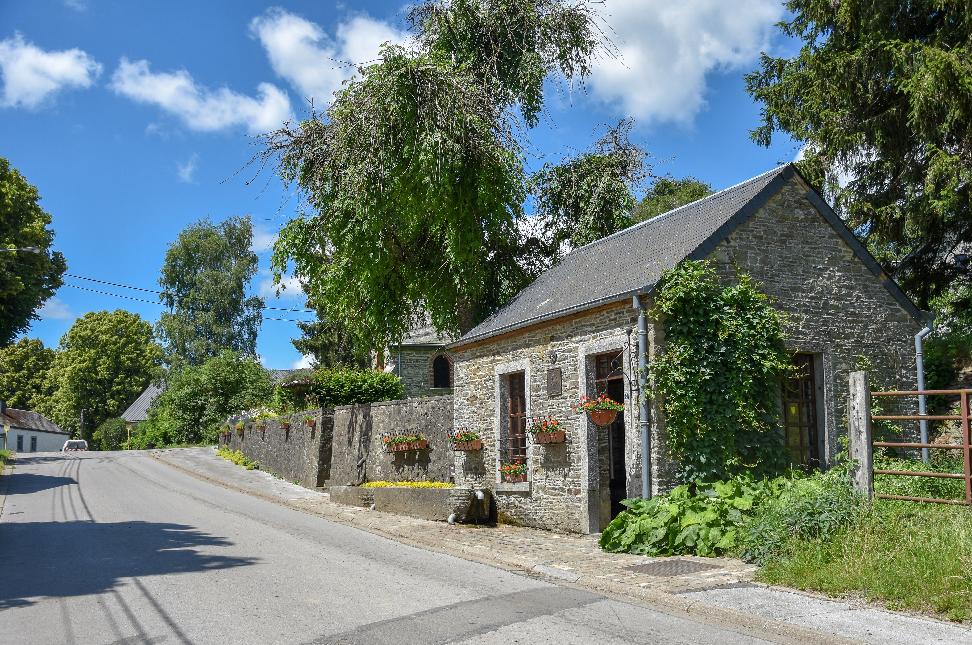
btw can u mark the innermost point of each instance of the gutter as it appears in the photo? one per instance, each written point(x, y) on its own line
point(922, 399)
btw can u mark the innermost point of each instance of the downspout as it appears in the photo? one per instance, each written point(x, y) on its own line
point(922, 399)
point(643, 398)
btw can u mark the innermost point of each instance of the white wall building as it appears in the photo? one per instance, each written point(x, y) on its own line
point(26, 431)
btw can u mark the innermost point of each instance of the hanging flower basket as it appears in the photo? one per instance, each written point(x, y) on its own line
point(285, 425)
point(602, 411)
point(513, 472)
point(550, 437)
point(547, 430)
point(466, 441)
point(310, 422)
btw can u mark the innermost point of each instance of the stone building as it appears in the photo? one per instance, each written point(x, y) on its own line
point(572, 333)
point(422, 362)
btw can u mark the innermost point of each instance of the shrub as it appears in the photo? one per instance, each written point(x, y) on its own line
point(698, 520)
point(331, 387)
point(4, 456)
point(937, 487)
point(814, 507)
point(110, 435)
point(719, 374)
point(238, 458)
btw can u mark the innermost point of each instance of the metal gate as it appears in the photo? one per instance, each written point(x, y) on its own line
point(963, 418)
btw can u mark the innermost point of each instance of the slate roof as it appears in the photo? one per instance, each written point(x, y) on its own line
point(137, 411)
point(632, 261)
point(627, 262)
point(29, 420)
point(425, 335)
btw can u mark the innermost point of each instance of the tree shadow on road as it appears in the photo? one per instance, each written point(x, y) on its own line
point(27, 483)
point(59, 559)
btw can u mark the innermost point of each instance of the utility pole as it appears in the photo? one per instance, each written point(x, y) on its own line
point(81, 429)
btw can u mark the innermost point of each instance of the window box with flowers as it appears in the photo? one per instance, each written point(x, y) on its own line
point(466, 441)
point(404, 442)
point(602, 411)
point(310, 422)
point(513, 472)
point(238, 426)
point(285, 424)
point(547, 430)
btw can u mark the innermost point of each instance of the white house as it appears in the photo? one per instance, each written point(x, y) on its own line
point(27, 431)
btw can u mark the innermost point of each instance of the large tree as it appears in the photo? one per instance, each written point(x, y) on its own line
point(205, 278)
point(27, 278)
point(589, 196)
point(668, 193)
point(25, 374)
point(104, 362)
point(881, 94)
point(329, 344)
point(415, 174)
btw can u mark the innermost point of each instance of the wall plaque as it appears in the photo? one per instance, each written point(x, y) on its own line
point(555, 382)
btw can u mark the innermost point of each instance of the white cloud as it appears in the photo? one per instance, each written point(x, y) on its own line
point(186, 171)
point(289, 288)
point(263, 238)
point(312, 61)
point(77, 5)
point(304, 362)
point(56, 309)
point(668, 48)
point(199, 107)
point(31, 74)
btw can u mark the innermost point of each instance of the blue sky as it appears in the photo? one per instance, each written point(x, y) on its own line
point(137, 119)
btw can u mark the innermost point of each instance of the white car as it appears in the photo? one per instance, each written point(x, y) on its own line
point(74, 445)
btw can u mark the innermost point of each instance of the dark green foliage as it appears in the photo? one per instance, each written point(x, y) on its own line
point(809, 508)
point(205, 277)
point(881, 91)
point(668, 194)
point(26, 279)
point(719, 374)
point(110, 435)
point(104, 362)
point(329, 343)
point(704, 520)
point(25, 374)
point(344, 387)
point(589, 196)
point(511, 46)
point(198, 399)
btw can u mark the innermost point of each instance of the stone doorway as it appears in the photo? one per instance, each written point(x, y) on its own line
point(609, 379)
point(800, 412)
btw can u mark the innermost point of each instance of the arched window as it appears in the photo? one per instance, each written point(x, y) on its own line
point(441, 372)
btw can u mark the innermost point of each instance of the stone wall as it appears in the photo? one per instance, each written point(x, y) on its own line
point(414, 367)
point(567, 488)
point(358, 451)
point(301, 454)
point(837, 308)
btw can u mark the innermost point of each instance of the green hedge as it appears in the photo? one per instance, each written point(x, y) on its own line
point(331, 387)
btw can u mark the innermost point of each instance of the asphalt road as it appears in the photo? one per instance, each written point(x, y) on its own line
point(119, 548)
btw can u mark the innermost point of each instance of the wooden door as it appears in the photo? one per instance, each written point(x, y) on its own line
point(516, 429)
point(800, 412)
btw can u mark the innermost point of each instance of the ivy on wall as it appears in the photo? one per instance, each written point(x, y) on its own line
point(719, 374)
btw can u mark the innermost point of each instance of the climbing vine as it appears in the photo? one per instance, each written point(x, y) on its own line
point(719, 373)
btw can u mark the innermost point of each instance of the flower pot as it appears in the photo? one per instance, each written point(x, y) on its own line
point(602, 417)
point(514, 479)
point(310, 423)
point(261, 426)
point(285, 425)
point(559, 436)
point(420, 445)
point(468, 446)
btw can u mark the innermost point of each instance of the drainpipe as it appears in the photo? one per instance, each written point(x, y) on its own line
point(643, 398)
point(922, 402)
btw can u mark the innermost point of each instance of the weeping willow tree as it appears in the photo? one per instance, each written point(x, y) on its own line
point(414, 174)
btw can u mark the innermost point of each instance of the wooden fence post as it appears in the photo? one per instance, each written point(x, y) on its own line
point(859, 433)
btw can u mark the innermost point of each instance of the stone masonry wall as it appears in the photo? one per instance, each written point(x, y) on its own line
point(414, 367)
point(567, 489)
point(300, 454)
point(837, 308)
point(359, 454)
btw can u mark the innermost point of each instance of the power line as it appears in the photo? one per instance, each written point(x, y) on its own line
point(159, 304)
point(164, 293)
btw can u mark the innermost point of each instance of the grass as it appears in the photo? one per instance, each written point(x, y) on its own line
point(383, 484)
point(237, 458)
point(910, 556)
